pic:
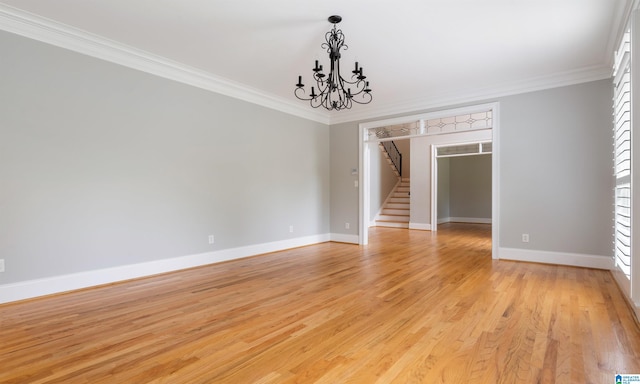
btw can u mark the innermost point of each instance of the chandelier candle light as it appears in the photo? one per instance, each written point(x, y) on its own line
point(335, 93)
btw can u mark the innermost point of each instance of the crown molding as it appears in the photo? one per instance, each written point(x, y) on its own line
point(51, 32)
point(560, 79)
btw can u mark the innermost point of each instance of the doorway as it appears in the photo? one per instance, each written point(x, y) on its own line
point(453, 126)
point(462, 190)
point(461, 185)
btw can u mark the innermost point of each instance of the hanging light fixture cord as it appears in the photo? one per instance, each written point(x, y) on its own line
point(335, 92)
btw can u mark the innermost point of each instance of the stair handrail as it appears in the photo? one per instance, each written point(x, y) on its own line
point(394, 155)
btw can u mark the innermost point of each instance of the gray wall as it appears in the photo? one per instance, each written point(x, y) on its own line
point(104, 166)
point(444, 189)
point(555, 169)
point(470, 178)
point(464, 187)
point(344, 194)
point(404, 146)
point(382, 180)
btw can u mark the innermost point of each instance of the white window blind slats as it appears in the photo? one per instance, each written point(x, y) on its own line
point(619, 72)
point(623, 228)
point(624, 50)
point(622, 156)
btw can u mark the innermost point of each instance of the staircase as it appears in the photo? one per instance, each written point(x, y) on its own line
point(395, 212)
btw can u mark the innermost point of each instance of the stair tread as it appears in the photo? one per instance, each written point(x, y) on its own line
point(394, 220)
point(393, 225)
point(396, 211)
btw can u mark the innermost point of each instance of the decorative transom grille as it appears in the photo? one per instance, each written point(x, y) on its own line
point(460, 123)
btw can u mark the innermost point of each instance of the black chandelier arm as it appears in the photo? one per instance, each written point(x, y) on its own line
point(322, 88)
point(359, 86)
point(346, 93)
point(366, 98)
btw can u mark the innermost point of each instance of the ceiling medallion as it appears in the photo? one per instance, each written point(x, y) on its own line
point(335, 92)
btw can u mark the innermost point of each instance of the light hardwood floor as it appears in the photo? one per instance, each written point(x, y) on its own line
point(411, 307)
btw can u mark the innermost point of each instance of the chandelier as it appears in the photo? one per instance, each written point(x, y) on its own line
point(334, 91)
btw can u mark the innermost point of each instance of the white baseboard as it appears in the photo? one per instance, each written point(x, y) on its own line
point(473, 220)
point(57, 284)
point(342, 238)
point(625, 286)
point(420, 226)
point(561, 258)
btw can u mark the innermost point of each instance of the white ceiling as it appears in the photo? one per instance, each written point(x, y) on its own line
point(416, 53)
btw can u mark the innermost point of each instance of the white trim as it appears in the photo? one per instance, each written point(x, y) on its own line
point(435, 101)
point(621, 279)
point(635, 306)
point(473, 220)
point(57, 284)
point(420, 226)
point(433, 184)
point(426, 116)
point(495, 181)
point(434, 179)
point(559, 258)
point(343, 238)
point(51, 32)
point(621, 20)
point(364, 152)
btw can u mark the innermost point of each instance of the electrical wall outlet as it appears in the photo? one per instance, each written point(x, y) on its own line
point(211, 239)
point(291, 229)
point(347, 225)
point(525, 237)
point(1, 265)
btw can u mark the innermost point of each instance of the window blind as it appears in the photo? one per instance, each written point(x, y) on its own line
point(622, 155)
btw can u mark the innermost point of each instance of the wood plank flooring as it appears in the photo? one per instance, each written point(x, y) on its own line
point(411, 307)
